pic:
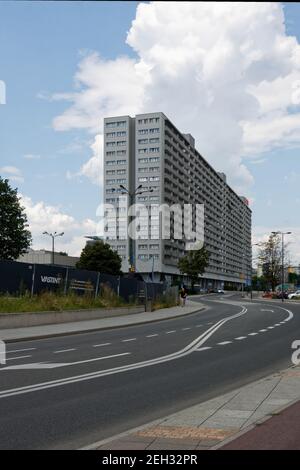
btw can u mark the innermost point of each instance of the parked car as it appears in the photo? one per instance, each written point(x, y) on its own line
point(294, 294)
point(220, 291)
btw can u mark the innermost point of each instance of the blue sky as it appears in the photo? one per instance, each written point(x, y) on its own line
point(41, 46)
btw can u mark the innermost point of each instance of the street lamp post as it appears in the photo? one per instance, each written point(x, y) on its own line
point(282, 259)
point(53, 236)
point(132, 195)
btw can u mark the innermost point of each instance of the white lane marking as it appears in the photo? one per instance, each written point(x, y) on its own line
point(252, 334)
point(204, 349)
point(64, 350)
point(20, 350)
point(266, 310)
point(189, 349)
point(151, 336)
point(184, 329)
point(198, 326)
point(224, 342)
point(126, 340)
point(263, 331)
point(54, 366)
point(240, 338)
point(99, 345)
point(210, 323)
point(14, 358)
point(270, 327)
point(169, 332)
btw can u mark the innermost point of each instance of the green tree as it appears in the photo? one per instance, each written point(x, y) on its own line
point(194, 263)
point(15, 238)
point(100, 257)
point(270, 259)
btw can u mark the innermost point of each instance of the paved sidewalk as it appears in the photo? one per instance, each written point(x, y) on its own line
point(62, 329)
point(236, 420)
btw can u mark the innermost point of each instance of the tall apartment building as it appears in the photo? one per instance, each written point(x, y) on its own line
point(149, 150)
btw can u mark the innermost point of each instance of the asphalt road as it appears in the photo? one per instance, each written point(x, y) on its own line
point(68, 392)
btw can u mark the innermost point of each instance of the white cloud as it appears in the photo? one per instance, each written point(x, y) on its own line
point(31, 156)
point(225, 72)
point(44, 217)
point(12, 173)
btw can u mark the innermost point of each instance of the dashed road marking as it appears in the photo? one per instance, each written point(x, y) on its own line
point(20, 350)
point(184, 329)
point(252, 334)
point(204, 349)
point(99, 345)
point(151, 336)
point(64, 350)
point(169, 332)
point(263, 331)
point(240, 338)
point(19, 357)
point(130, 339)
point(224, 343)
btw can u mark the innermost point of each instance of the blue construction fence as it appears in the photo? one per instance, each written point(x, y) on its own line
point(18, 278)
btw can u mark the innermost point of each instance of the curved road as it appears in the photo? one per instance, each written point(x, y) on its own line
point(71, 391)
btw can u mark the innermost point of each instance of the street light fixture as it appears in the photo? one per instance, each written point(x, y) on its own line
point(282, 259)
point(53, 236)
point(132, 195)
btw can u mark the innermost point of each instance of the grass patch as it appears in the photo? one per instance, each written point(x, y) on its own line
point(50, 301)
point(165, 301)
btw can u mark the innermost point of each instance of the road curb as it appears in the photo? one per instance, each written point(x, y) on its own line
point(70, 333)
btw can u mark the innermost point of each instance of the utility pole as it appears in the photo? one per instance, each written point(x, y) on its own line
point(132, 195)
point(282, 259)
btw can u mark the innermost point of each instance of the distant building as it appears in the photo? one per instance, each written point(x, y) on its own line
point(45, 257)
point(149, 152)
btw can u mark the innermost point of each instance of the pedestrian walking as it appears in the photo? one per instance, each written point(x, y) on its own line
point(183, 296)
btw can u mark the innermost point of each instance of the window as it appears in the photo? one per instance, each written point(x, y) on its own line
point(154, 140)
point(111, 124)
point(121, 152)
point(154, 178)
point(143, 257)
point(109, 200)
point(143, 131)
point(121, 124)
point(154, 247)
point(111, 162)
point(154, 149)
point(121, 247)
point(110, 191)
point(143, 141)
point(154, 168)
point(153, 198)
point(110, 134)
point(121, 181)
point(121, 134)
point(121, 162)
point(143, 170)
point(154, 130)
point(153, 159)
point(143, 179)
point(121, 143)
point(110, 153)
point(121, 172)
point(143, 160)
point(110, 144)
point(143, 151)
point(143, 247)
point(110, 172)
point(142, 198)
point(155, 256)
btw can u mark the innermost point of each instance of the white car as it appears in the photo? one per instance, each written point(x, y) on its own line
point(294, 294)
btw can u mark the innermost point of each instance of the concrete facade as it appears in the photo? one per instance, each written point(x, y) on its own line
point(45, 257)
point(149, 150)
